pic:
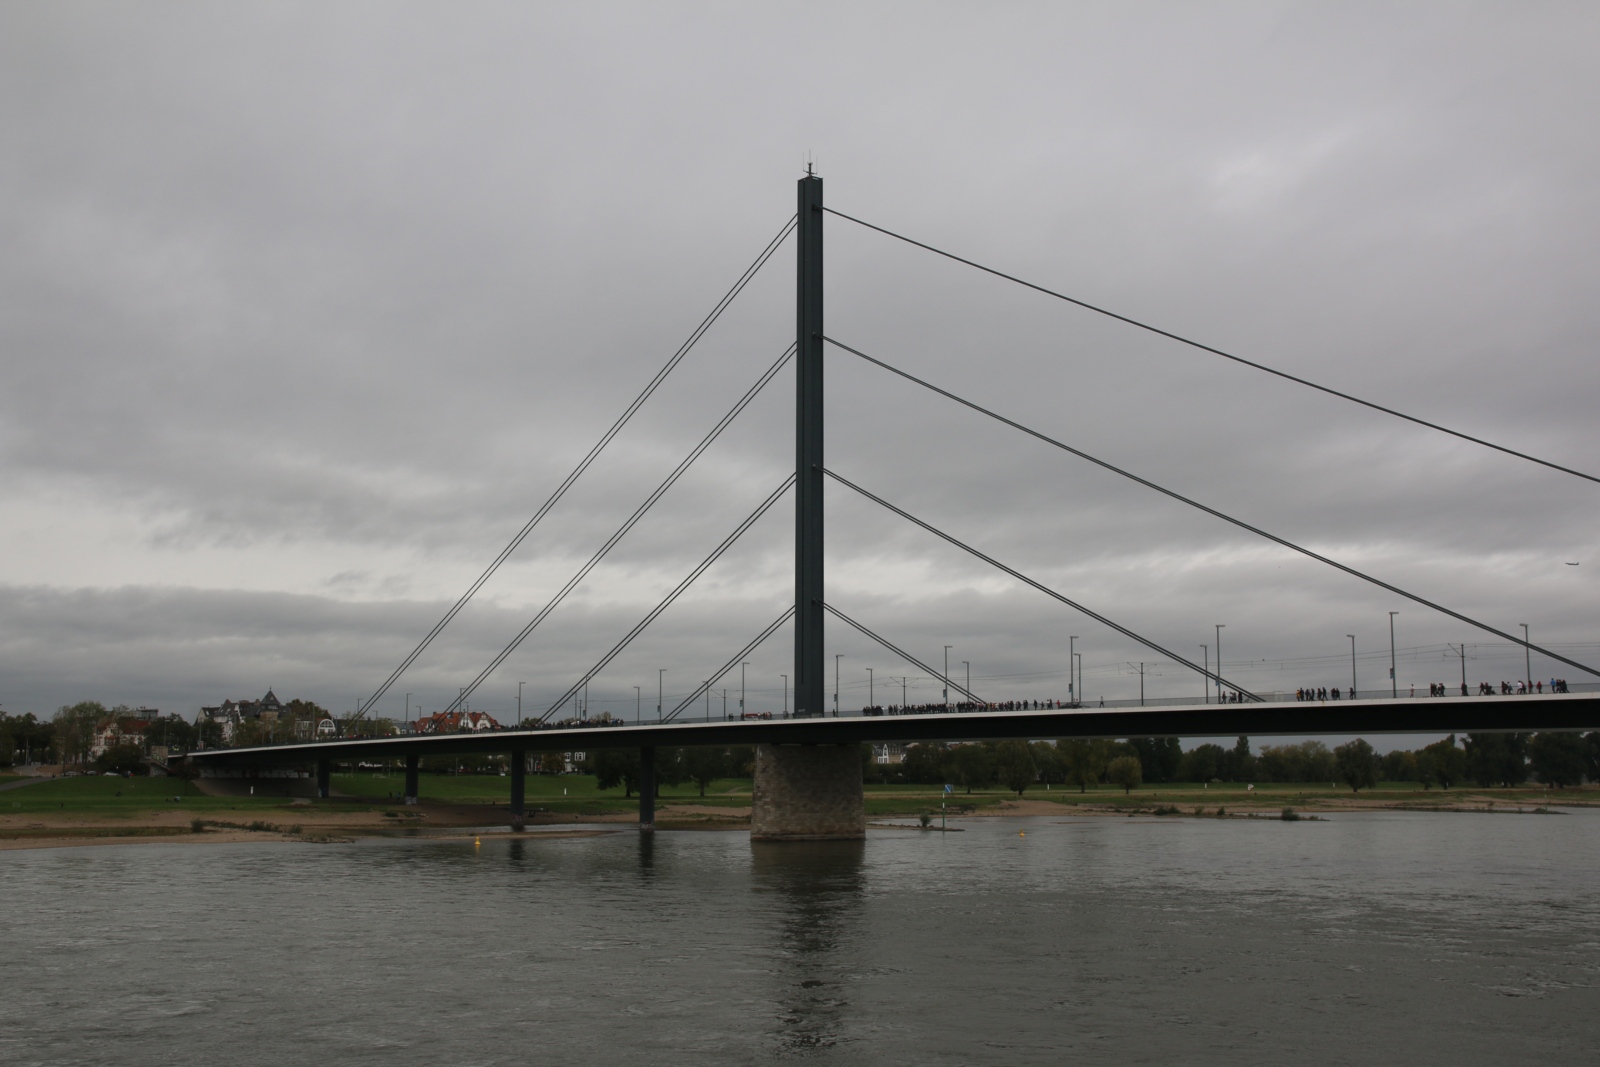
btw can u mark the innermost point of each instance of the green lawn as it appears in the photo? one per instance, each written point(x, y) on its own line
point(88, 795)
point(566, 792)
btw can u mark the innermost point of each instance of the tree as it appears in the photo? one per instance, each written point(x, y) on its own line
point(1357, 764)
point(1558, 759)
point(1497, 759)
point(1047, 757)
point(121, 758)
point(705, 765)
point(1237, 764)
point(1591, 759)
point(1443, 762)
point(1014, 760)
point(1201, 763)
point(928, 764)
point(1159, 757)
point(617, 766)
point(1399, 766)
point(1126, 772)
point(1082, 762)
point(75, 729)
point(973, 764)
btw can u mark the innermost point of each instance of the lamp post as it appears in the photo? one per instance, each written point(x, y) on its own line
point(1353, 689)
point(946, 678)
point(1220, 627)
point(1079, 657)
point(836, 660)
point(638, 707)
point(519, 703)
point(1394, 683)
point(1205, 688)
point(1527, 657)
point(1072, 657)
point(742, 666)
point(407, 717)
point(785, 695)
point(870, 690)
point(661, 683)
point(1463, 653)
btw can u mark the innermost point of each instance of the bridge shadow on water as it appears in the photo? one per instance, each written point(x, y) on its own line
point(820, 887)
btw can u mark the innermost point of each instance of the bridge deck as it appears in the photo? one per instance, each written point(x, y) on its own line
point(1483, 714)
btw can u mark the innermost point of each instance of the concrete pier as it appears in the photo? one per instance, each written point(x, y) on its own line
point(647, 787)
point(519, 783)
point(808, 793)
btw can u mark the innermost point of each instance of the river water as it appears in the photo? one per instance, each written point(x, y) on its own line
point(1366, 938)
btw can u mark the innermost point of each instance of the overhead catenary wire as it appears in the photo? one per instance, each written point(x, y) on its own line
point(700, 689)
point(903, 654)
point(583, 465)
point(705, 564)
point(1096, 616)
point(1380, 583)
point(639, 513)
point(1214, 351)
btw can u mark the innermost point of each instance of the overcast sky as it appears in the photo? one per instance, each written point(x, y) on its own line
point(304, 310)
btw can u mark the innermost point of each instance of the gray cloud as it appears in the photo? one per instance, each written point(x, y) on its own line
point(306, 309)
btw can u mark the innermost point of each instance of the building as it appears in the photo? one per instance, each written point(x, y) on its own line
point(889, 752)
point(123, 729)
point(456, 722)
point(232, 713)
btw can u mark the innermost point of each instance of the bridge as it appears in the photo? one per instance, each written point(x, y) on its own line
point(808, 781)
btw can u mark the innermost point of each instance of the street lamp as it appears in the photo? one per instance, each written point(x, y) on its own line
point(785, 678)
point(742, 666)
point(1072, 657)
point(638, 708)
point(1079, 657)
point(1394, 683)
point(1353, 690)
point(519, 703)
point(661, 681)
point(1527, 657)
point(870, 690)
point(1220, 628)
point(946, 678)
point(836, 660)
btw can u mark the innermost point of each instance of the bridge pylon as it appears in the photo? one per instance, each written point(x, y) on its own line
point(808, 792)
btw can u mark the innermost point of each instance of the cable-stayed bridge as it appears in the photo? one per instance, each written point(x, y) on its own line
point(808, 778)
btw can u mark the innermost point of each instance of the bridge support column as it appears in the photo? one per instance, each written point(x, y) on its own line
point(519, 782)
point(324, 774)
point(647, 788)
point(808, 793)
point(411, 779)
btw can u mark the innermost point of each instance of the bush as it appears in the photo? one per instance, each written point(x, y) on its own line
point(1290, 815)
point(197, 826)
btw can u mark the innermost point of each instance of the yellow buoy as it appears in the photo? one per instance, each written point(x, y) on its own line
point(1022, 833)
point(477, 843)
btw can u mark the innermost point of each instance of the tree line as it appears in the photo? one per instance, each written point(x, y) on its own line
point(1556, 759)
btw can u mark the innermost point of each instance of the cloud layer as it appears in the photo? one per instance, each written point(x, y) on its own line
point(305, 310)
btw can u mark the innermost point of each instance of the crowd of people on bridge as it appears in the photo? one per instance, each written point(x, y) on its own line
point(1440, 689)
point(965, 706)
